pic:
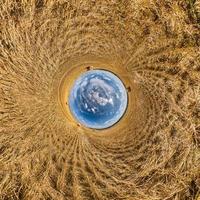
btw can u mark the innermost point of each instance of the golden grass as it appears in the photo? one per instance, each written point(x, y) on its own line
point(154, 154)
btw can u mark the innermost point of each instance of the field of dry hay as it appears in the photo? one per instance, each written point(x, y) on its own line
point(156, 155)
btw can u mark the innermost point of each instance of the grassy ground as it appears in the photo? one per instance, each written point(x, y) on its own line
point(154, 153)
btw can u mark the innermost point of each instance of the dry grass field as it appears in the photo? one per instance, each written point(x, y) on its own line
point(153, 153)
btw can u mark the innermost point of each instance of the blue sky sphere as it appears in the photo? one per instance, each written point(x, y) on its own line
point(98, 99)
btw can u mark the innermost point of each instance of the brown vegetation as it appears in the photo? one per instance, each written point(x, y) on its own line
point(154, 154)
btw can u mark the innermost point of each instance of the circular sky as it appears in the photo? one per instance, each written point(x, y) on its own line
point(98, 99)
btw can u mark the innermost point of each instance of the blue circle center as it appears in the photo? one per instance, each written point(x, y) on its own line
point(98, 99)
